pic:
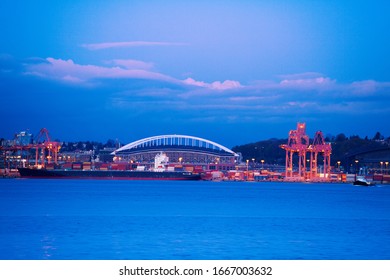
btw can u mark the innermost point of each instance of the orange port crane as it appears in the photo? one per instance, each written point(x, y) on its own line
point(49, 149)
point(319, 146)
point(298, 142)
point(43, 146)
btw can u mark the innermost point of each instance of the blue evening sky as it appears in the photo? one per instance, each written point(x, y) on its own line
point(232, 72)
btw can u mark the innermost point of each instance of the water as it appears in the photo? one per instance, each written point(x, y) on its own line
point(88, 219)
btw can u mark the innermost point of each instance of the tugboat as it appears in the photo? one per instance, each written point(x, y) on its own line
point(360, 181)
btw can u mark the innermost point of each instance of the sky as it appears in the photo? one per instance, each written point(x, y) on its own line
point(233, 72)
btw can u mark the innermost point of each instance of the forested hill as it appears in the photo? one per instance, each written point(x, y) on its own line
point(271, 153)
point(268, 150)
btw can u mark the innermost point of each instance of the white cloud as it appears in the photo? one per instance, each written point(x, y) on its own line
point(217, 85)
point(308, 83)
point(68, 71)
point(71, 72)
point(367, 87)
point(228, 84)
point(192, 82)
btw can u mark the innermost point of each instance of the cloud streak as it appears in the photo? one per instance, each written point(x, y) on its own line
point(131, 44)
point(135, 86)
point(68, 71)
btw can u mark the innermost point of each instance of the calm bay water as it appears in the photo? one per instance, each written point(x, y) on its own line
point(88, 219)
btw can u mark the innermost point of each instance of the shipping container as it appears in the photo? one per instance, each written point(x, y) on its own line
point(87, 165)
point(378, 177)
point(189, 168)
point(234, 175)
point(386, 178)
point(198, 168)
point(77, 165)
point(67, 166)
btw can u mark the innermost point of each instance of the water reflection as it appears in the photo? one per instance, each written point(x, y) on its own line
point(48, 247)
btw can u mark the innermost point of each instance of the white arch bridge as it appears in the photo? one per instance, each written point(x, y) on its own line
point(179, 148)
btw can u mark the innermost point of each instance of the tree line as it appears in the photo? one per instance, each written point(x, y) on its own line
point(342, 147)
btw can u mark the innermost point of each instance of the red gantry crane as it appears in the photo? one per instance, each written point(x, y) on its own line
point(298, 142)
point(48, 149)
point(319, 146)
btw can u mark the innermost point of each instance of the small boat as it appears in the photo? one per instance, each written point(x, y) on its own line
point(363, 182)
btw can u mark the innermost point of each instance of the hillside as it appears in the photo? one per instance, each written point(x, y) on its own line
point(342, 146)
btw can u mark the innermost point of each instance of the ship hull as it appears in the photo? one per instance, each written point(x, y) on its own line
point(106, 174)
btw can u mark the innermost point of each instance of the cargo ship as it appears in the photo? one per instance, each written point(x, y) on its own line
point(107, 174)
point(158, 173)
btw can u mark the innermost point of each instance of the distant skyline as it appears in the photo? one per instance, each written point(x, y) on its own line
point(233, 72)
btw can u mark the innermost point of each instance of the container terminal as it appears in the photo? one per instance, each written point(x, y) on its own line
point(305, 160)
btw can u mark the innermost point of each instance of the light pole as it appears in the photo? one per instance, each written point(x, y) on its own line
point(262, 164)
point(247, 165)
point(381, 167)
point(387, 163)
point(339, 162)
point(356, 164)
point(253, 163)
